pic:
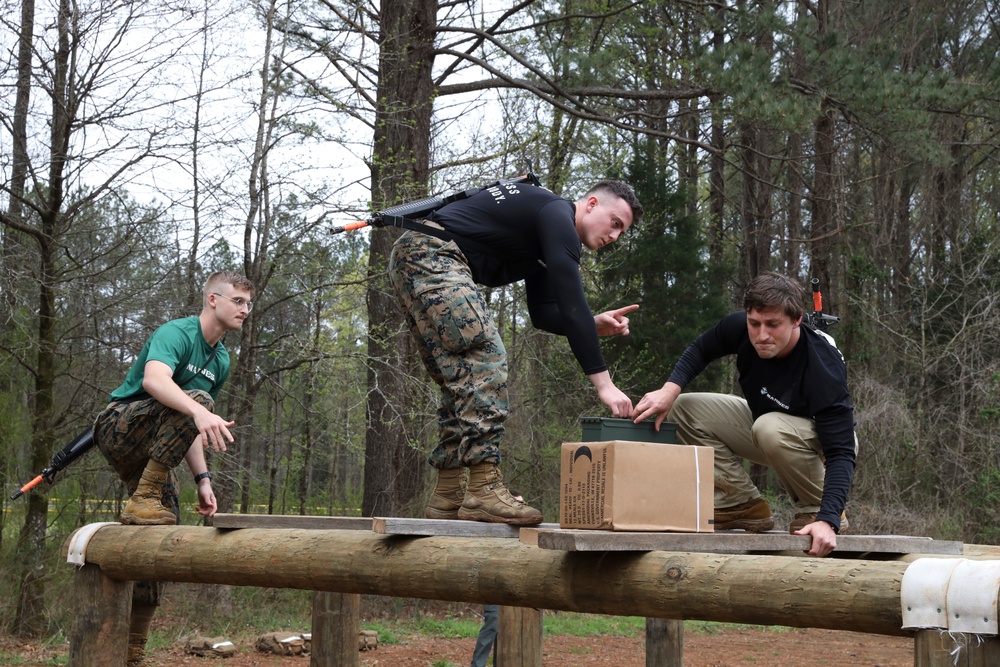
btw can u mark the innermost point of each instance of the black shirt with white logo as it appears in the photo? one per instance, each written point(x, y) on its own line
point(810, 382)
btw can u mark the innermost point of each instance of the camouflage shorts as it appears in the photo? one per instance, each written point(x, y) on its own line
point(459, 345)
point(129, 434)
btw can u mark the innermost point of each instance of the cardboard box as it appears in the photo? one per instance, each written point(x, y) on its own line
point(639, 486)
point(602, 429)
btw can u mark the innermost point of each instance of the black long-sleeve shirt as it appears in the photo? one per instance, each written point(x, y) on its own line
point(523, 232)
point(810, 382)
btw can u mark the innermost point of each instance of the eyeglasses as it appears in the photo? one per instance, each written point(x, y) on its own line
point(239, 301)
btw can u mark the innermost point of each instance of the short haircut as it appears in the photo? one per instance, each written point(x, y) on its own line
point(216, 281)
point(773, 290)
point(623, 191)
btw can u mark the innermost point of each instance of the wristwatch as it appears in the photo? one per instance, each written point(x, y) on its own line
point(201, 476)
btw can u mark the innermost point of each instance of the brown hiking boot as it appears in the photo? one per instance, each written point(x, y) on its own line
point(803, 519)
point(754, 516)
point(487, 499)
point(144, 507)
point(448, 494)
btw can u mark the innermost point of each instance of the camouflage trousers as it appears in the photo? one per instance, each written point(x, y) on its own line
point(459, 345)
point(129, 434)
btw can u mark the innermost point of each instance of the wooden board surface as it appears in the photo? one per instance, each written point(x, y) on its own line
point(550, 536)
point(447, 528)
point(736, 541)
point(292, 521)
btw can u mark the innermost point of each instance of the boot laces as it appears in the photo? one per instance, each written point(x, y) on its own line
point(496, 484)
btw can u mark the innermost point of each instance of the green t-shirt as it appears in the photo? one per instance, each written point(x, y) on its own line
point(180, 345)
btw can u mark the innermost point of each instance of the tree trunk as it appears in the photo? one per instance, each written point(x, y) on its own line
point(822, 189)
point(29, 618)
point(400, 169)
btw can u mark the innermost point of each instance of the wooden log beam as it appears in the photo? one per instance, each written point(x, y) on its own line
point(862, 596)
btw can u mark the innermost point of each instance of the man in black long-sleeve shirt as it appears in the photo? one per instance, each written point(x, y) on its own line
point(797, 416)
point(501, 235)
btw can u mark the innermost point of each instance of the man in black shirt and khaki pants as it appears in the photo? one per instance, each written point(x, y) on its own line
point(797, 416)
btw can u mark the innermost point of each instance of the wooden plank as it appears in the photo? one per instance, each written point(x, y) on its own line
point(291, 521)
point(448, 528)
point(529, 536)
point(732, 542)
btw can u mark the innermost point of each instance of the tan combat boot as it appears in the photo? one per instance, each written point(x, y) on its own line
point(487, 499)
point(138, 631)
point(144, 508)
point(448, 494)
point(753, 516)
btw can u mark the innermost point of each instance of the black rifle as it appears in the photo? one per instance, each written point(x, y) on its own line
point(406, 215)
point(80, 445)
point(817, 319)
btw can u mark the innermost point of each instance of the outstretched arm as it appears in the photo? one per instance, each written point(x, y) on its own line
point(159, 383)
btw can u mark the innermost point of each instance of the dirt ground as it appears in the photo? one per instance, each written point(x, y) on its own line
point(728, 647)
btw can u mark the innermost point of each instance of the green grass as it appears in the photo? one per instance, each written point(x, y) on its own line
point(590, 625)
point(554, 623)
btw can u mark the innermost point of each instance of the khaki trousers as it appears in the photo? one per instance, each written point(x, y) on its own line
point(785, 443)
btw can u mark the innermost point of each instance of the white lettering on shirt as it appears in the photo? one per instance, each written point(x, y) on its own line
point(201, 371)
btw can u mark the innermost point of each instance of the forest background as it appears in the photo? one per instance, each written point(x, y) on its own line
point(146, 144)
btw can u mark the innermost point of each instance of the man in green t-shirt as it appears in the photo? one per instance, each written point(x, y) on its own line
point(162, 414)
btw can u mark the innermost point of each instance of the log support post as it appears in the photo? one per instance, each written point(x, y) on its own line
point(519, 637)
point(336, 621)
point(664, 642)
point(940, 648)
point(99, 636)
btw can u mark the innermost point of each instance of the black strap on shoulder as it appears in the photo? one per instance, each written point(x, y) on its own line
point(211, 358)
point(409, 216)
